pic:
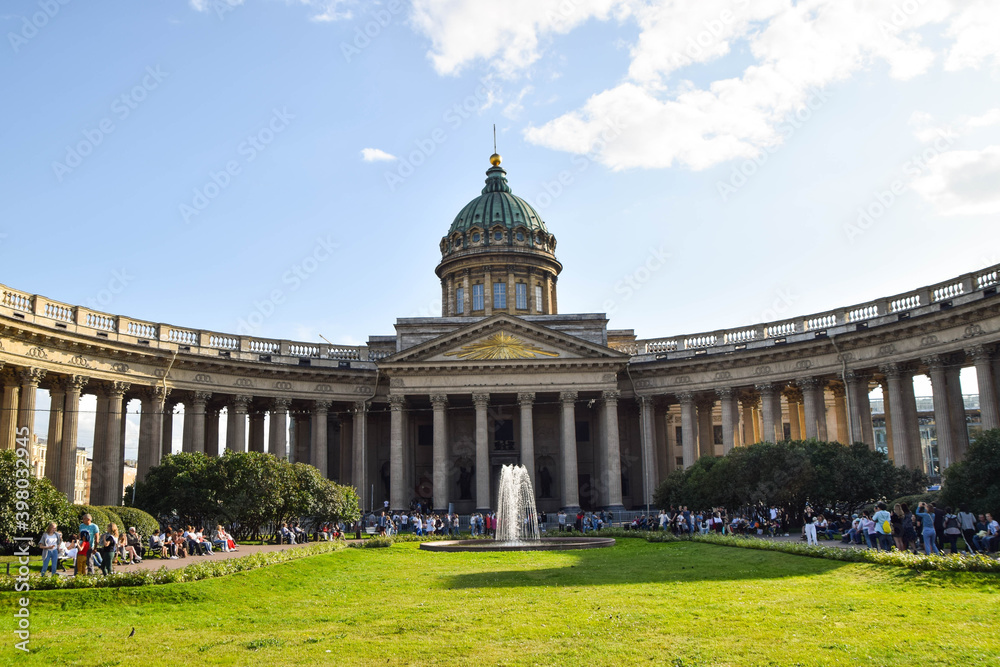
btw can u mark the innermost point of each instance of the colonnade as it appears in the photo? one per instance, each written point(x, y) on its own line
point(761, 412)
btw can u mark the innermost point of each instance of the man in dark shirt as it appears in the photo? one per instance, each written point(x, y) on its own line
point(939, 515)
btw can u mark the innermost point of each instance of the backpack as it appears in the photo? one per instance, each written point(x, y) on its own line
point(887, 527)
point(951, 526)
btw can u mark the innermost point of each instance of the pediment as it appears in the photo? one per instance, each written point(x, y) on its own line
point(502, 339)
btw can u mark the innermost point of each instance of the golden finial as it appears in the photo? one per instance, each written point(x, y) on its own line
point(495, 159)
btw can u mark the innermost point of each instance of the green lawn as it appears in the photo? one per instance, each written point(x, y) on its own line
point(636, 603)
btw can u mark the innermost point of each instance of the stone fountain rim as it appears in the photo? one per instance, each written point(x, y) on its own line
point(544, 544)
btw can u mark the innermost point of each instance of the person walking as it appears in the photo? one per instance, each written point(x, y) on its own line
point(926, 517)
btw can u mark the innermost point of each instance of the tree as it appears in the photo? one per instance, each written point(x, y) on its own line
point(27, 507)
point(975, 482)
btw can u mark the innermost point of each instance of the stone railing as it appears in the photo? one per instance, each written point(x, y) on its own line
point(880, 311)
point(39, 310)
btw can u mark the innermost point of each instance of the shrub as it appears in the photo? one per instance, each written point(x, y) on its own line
point(144, 523)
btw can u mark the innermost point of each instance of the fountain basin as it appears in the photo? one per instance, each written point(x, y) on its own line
point(544, 544)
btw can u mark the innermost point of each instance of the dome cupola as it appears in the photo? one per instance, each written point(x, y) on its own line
point(498, 255)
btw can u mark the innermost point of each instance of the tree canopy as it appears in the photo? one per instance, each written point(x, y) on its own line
point(975, 482)
point(245, 490)
point(789, 474)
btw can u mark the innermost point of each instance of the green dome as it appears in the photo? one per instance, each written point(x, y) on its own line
point(497, 206)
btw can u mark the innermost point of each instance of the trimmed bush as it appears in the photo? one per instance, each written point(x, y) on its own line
point(145, 524)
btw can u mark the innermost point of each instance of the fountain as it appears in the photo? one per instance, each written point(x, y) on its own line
point(517, 522)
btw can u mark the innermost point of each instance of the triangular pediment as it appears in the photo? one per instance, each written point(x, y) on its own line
point(503, 339)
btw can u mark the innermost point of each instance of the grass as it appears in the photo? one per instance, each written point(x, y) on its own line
point(637, 603)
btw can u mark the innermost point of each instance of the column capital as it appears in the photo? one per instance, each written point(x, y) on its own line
point(239, 403)
point(610, 395)
point(31, 376)
point(200, 398)
point(893, 370)
point(809, 383)
point(117, 389)
point(320, 407)
point(396, 402)
point(645, 400)
point(838, 390)
point(438, 401)
point(793, 394)
point(934, 362)
point(725, 392)
point(853, 377)
point(281, 404)
point(360, 407)
point(156, 392)
point(978, 353)
point(568, 396)
point(749, 399)
point(685, 397)
point(526, 398)
point(481, 400)
point(765, 387)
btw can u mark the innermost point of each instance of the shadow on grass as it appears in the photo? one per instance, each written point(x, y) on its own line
point(631, 563)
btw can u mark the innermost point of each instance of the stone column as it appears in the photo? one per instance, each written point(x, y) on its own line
point(887, 415)
point(256, 441)
point(346, 451)
point(840, 413)
point(706, 434)
point(187, 426)
point(770, 410)
point(812, 395)
point(567, 446)
point(319, 445)
point(748, 403)
point(360, 467)
point(794, 398)
point(466, 293)
point(279, 427)
point(989, 411)
point(613, 460)
point(647, 426)
point(689, 426)
point(942, 409)
point(71, 414)
point(236, 428)
point(8, 417)
point(860, 408)
point(212, 447)
point(729, 418)
point(525, 402)
point(30, 377)
point(99, 467)
point(898, 380)
point(150, 430)
point(167, 440)
point(959, 426)
point(482, 402)
point(197, 404)
point(107, 475)
point(397, 495)
point(54, 444)
point(440, 452)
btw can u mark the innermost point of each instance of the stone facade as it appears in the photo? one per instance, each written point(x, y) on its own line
point(432, 412)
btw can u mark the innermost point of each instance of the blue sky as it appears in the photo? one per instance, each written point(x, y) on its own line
point(225, 153)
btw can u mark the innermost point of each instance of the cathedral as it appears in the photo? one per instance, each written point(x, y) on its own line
point(432, 412)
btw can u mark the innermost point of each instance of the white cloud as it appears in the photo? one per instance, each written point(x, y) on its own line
point(330, 10)
point(205, 5)
point(976, 31)
point(376, 155)
point(927, 129)
point(505, 34)
point(962, 182)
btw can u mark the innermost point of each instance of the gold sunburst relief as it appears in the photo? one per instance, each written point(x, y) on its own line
point(501, 346)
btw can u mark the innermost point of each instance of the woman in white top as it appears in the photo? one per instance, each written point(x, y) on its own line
point(49, 542)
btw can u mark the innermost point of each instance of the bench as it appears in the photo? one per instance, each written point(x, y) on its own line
point(371, 531)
